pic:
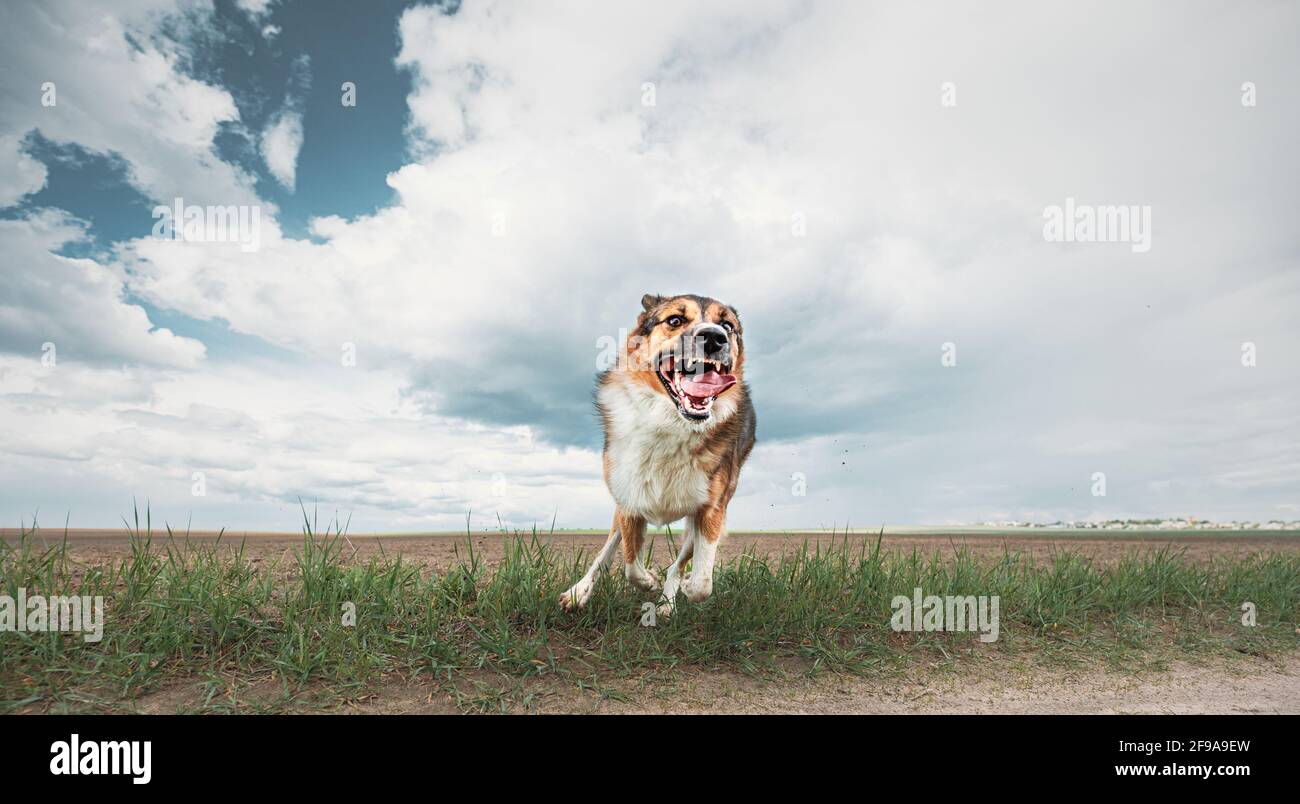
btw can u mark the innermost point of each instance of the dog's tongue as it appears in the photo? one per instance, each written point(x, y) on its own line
point(710, 383)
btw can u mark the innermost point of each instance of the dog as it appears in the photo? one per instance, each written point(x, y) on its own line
point(678, 426)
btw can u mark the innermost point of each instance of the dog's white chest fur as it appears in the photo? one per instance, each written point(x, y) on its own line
point(652, 471)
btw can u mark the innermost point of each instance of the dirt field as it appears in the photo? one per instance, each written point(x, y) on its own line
point(440, 550)
point(996, 684)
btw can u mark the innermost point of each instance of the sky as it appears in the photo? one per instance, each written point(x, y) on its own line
point(459, 206)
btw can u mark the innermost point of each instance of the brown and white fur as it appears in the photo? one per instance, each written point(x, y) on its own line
point(673, 447)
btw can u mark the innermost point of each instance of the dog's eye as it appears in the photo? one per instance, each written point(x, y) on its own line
point(675, 321)
point(728, 326)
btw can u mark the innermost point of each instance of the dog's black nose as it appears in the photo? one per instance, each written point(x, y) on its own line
point(714, 340)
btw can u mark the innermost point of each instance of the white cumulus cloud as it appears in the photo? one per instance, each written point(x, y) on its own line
point(20, 174)
point(75, 304)
point(280, 143)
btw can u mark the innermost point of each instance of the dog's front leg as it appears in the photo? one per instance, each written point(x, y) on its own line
point(673, 580)
point(635, 547)
point(577, 595)
point(709, 528)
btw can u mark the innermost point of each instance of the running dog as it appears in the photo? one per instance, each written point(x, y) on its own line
point(678, 426)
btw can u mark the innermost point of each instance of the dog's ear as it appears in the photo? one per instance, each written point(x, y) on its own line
point(651, 301)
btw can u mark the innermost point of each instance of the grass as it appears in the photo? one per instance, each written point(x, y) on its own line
point(238, 635)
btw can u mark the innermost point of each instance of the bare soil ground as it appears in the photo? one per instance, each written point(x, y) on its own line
point(441, 550)
point(997, 684)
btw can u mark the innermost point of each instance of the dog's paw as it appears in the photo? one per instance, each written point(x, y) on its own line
point(576, 596)
point(665, 610)
point(642, 578)
point(696, 588)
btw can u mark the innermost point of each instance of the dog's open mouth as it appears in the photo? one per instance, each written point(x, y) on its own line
point(695, 383)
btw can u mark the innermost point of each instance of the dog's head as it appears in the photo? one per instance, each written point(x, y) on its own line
point(691, 350)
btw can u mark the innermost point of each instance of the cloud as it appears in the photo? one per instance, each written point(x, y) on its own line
point(281, 142)
point(19, 173)
point(282, 138)
point(120, 89)
point(111, 84)
point(76, 305)
point(342, 436)
point(257, 10)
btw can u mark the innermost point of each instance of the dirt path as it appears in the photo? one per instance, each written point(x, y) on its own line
point(997, 686)
point(1250, 687)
